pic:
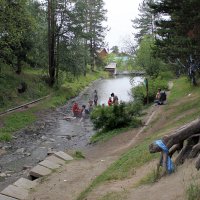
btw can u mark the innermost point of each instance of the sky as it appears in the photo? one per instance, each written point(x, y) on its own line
point(119, 16)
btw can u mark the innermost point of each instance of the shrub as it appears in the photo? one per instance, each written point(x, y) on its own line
point(117, 116)
point(139, 92)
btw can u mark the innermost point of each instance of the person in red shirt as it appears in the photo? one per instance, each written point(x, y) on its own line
point(110, 101)
point(76, 110)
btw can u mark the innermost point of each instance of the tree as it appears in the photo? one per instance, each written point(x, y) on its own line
point(184, 40)
point(16, 30)
point(145, 23)
point(145, 59)
point(95, 28)
point(115, 49)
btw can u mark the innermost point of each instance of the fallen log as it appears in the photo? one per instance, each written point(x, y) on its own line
point(179, 135)
point(186, 140)
point(184, 132)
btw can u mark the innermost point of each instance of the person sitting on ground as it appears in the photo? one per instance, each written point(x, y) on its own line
point(76, 110)
point(115, 99)
point(110, 101)
point(160, 97)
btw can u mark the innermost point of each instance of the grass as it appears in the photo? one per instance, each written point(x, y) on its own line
point(115, 196)
point(78, 155)
point(102, 136)
point(124, 167)
point(193, 191)
point(150, 178)
point(9, 96)
point(14, 122)
point(139, 155)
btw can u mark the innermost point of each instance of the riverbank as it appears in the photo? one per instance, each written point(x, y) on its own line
point(106, 174)
point(30, 133)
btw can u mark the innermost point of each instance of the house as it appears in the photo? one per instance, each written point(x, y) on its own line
point(102, 53)
point(111, 68)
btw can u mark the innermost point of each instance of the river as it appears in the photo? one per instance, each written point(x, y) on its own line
point(54, 133)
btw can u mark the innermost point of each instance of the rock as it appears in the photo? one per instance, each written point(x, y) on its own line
point(2, 174)
point(21, 150)
point(44, 137)
point(4, 197)
point(52, 140)
point(6, 147)
point(15, 192)
point(63, 156)
point(25, 183)
point(39, 171)
point(68, 137)
point(25, 167)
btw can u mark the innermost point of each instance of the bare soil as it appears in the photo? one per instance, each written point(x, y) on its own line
point(77, 175)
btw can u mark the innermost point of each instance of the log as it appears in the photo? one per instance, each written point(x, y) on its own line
point(195, 151)
point(178, 136)
point(174, 148)
point(197, 164)
point(185, 152)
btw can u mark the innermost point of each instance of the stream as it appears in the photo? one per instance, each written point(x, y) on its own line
point(53, 133)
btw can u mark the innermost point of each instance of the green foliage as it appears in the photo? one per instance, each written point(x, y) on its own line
point(117, 116)
point(79, 155)
point(139, 92)
point(145, 59)
point(193, 191)
point(5, 137)
point(15, 122)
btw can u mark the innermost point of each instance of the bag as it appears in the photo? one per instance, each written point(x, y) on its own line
point(163, 96)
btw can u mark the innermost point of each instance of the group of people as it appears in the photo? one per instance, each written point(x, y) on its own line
point(113, 100)
point(82, 111)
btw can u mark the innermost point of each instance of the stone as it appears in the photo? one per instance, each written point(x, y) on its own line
point(39, 171)
point(62, 155)
point(49, 164)
point(15, 192)
point(3, 175)
point(21, 150)
point(55, 159)
point(3, 197)
point(25, 183)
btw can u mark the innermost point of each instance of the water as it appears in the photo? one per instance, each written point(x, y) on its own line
point(120, 86)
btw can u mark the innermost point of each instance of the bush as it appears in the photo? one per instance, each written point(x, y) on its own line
point(117, 116)
point(139, 92)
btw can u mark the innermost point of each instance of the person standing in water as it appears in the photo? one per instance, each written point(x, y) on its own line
point(95, 98)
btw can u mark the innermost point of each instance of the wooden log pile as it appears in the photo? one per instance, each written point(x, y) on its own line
point(185, 141)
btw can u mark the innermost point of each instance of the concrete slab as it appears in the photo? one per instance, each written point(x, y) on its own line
point(15, 192)
point(49, 164)
point(39, 171)
point(3, 197)
point(55, 160)
point(62, 155)
point(25, 183)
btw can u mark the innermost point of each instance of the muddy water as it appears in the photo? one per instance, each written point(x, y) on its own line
point(52, 132)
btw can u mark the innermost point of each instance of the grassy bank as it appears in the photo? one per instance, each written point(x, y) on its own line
point(183, 99)
point(36, 88)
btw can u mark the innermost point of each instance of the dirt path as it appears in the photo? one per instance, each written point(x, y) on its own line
point(72, 179)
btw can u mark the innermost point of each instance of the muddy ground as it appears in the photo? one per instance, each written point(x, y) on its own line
point(50, 133)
